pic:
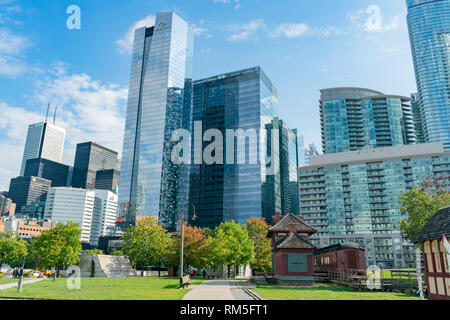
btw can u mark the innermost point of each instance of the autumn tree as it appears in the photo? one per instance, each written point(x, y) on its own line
point(257, 229)
point(58, 247)
point(195, 248)
point(147, 243)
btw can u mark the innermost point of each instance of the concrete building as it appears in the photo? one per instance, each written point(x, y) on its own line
point(44, 140)
point(25, 228)
point(159, 103)
point(70, 204)
point(7, 207)
point(357, 118)
point(104, 216)
point(354, 197)
point(56, 172)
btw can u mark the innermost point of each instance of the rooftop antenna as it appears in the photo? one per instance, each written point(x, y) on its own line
point(48, 107)
point(54, 116)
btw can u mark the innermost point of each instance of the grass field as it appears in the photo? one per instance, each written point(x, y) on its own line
point(326, 292)
point(6, 281)
point(147, 288)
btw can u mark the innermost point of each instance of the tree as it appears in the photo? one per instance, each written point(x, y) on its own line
point(93, 252)
point(13, 250)
point(58, 247)
point(146, 244)
point(195, 248)
point(117, 253)
point(257, 229)
point(420, 205)
point(231, 245)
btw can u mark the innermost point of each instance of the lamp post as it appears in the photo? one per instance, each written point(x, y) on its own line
point(19, 285)
point(181, 271)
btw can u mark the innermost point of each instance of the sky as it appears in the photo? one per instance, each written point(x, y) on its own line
point(302, 45)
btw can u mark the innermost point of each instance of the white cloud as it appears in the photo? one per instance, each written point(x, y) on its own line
point(372, 20)
point(237, 3)
point(125, 43)
point(201, 29)
point(11, 48)
point(245, 31)
point(290, 30)
point(89, 111)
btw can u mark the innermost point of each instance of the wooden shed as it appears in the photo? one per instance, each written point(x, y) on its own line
point(340, 256)
point(435, 255)
point(292, 252)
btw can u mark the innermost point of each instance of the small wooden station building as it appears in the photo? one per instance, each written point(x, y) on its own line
point(292, 252)
point(435, 255)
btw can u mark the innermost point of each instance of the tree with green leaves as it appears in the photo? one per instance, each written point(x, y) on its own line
point(13, 250)
point(93, 252)
point(231, 245)
point(117, 253)
point(58, 247)
point(147, 243)
point(257, 229)
point(420, 204)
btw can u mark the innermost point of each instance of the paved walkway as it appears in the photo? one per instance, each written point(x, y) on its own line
point(211, 290)
point(14, 284)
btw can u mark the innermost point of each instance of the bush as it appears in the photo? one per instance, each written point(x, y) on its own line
point(28, 275)
point(2, 275)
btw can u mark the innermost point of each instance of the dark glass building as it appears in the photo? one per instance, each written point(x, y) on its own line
point(159, 102)
point(56, 172)
point(241, 188)
point(356, 118)
point(90, 158)
point(107, 180)
point(28, 190)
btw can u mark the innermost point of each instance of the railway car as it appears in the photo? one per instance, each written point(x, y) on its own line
point(340, 256)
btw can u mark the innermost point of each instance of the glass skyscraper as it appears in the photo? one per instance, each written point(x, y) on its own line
point(429, 32)
point(356, 118)
point(159, 102)
point(245, 100)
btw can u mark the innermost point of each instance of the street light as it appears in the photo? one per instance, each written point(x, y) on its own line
point(19, 285)
point(181, 271)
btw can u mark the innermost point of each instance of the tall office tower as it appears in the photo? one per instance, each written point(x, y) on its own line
point(354, 197)
point(429, 33)
point(159, 102)
point(56, 172)
point(354, 119)
point(44, 140)
point(289, 162)
point(104, 215)
point(25, 191)
point(90, 158)
point(418, 121)
point(75, 205)
point(243, 186)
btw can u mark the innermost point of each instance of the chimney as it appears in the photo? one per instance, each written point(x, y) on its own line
point(276, 218)
point(292, 228)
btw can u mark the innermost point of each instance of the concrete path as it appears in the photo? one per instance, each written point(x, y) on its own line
point(211, 290)
point(14, 284)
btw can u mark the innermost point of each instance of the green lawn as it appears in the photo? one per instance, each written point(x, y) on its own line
point(148, 288)
point(326, 292)
point(6, 281)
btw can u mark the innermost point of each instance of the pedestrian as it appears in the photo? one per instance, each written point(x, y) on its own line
point(14, 273)
point(20, 273)
point(204, 273)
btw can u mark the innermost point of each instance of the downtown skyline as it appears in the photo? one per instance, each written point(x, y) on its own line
point(301, 55)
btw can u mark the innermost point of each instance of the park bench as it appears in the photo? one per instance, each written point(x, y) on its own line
point(186, 281)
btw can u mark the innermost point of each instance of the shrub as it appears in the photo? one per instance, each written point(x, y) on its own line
point(2, 275)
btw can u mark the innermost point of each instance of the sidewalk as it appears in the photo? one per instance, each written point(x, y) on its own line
point(14, 284)
point(211, 290)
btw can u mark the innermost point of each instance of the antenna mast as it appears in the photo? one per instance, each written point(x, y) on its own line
point(54, 116)
point(48, 108)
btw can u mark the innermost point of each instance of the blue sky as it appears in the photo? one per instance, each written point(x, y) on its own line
point(303, 46)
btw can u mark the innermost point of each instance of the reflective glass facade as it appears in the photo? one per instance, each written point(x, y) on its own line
point(159, 102)
point(354, 198)
point(429, 31)
point(355, 119)
point(244, 100)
